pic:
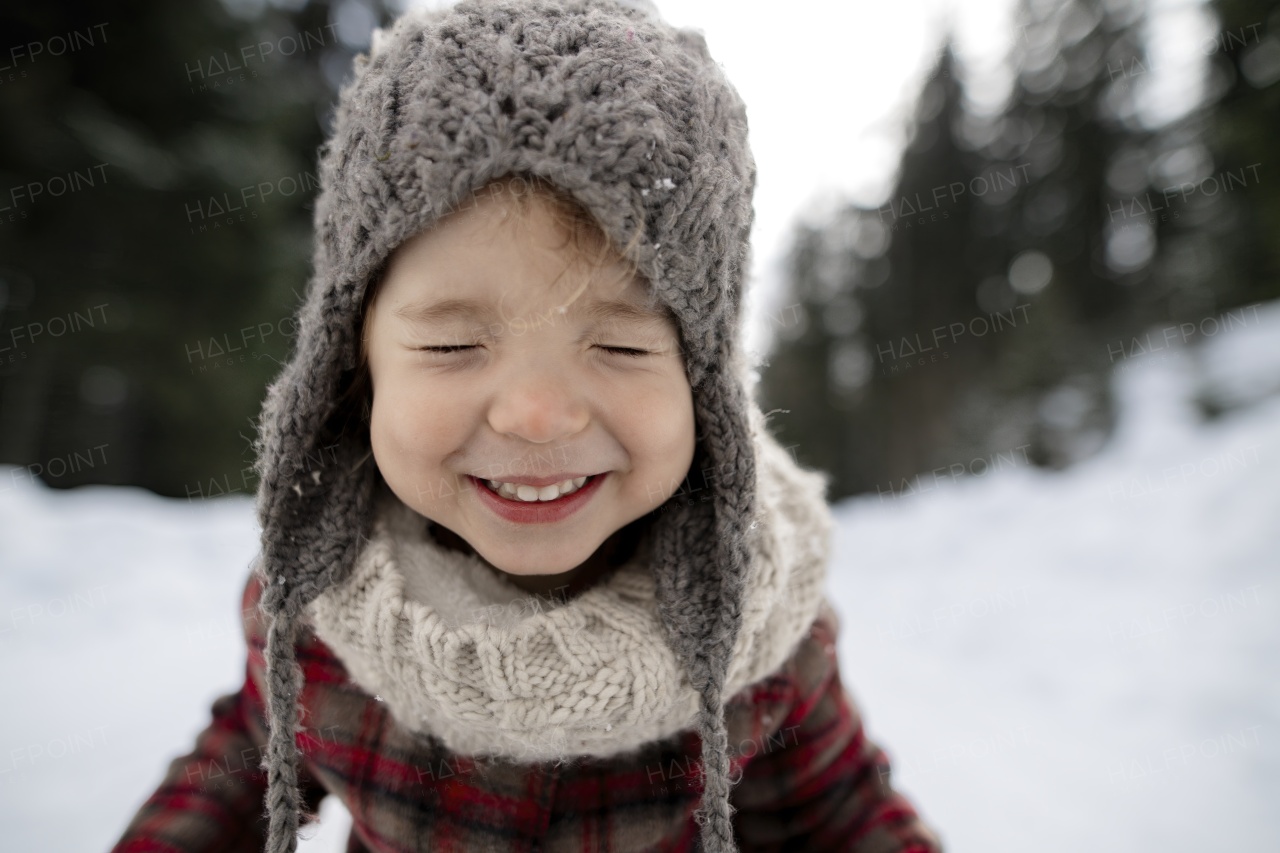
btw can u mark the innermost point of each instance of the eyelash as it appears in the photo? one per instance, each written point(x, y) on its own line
point(630, 352)
point(445, 350)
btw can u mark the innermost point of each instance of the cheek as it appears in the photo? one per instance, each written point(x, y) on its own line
point(659, 425)
point(407, 427)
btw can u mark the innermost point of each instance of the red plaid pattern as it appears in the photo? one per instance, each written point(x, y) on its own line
point(811, 780)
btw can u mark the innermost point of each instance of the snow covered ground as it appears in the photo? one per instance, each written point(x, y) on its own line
point(1087, 660)
point(1070, 661)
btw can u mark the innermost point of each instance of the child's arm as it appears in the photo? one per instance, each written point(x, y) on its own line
point(212, 798)
point(822, 785)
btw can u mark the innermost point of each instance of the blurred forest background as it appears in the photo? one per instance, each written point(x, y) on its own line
point(973, 320)
point(195, 239)
point(155, 239)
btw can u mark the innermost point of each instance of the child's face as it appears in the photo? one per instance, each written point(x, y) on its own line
point(528, 393)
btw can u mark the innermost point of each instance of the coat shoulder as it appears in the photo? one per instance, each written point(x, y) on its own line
point(761, 709)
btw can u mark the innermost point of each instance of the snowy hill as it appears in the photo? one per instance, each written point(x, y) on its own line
point(1087, 660)
point(1066, 661)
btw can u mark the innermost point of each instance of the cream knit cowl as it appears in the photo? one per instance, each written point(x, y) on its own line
point(459, 652)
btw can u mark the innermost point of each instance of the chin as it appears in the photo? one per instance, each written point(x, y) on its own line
point(527, 568)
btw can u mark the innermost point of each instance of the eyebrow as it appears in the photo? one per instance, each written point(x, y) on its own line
point(444, 309)
point(599, 310)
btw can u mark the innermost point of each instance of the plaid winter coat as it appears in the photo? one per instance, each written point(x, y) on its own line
point(810, 778)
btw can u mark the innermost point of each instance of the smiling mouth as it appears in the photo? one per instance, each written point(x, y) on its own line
point(520, 493)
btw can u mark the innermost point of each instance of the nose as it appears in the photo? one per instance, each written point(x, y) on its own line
point(539, 402)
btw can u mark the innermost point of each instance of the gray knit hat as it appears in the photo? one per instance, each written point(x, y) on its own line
point(633, 118)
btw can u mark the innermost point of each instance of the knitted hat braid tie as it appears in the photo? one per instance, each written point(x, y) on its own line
point(284, 680)
point(715, 814)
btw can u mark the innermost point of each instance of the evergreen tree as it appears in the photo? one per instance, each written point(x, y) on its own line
point(964, 323)
point(155, 231)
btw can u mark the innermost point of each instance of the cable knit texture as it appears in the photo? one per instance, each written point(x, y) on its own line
point(463, 654)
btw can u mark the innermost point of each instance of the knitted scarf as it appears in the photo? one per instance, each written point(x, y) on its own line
point(463, 654)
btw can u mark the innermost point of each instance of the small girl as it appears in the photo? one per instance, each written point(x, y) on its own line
point(534, 575)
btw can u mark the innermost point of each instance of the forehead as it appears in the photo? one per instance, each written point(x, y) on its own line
point(481, 264)
point(594, 307)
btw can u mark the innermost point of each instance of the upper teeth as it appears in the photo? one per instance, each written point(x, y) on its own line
point(521, 492)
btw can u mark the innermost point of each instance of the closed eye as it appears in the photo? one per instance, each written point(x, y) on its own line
point(627, 351)
point(630, 352)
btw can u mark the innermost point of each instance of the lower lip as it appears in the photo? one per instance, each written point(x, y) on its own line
point(538, 512)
